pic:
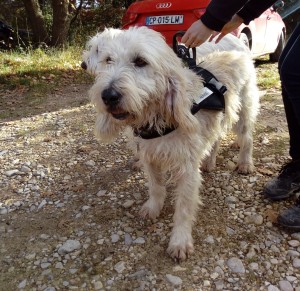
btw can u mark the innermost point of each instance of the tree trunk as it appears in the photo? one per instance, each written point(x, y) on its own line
point(36, 19)
point(61, 22)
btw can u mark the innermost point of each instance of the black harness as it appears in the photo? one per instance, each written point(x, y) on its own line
point(212, 97)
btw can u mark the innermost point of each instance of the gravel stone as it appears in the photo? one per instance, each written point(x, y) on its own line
point(296, 263)
point(120, 267)
point(294, 243)
point(272, 288)
point(69, 246)
point(174, 280)
point(236, 265)
point(285, 286)
point(139, 240)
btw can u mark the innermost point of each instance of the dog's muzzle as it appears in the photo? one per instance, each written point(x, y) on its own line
point(111, 98)
point(84, 65)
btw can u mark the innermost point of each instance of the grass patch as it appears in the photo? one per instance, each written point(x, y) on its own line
point(267, 74)
point(40, 69)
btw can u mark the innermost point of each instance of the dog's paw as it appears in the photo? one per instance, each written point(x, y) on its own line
point(180, 249)
point(150, 209)
point(235, 145)
point(246, 168)
point(208, 167)
point(137, 165)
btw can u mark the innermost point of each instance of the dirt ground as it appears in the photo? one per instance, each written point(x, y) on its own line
point(57, 183)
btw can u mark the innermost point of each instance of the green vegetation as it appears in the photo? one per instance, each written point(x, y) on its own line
point(40, 69)
point(267, 74)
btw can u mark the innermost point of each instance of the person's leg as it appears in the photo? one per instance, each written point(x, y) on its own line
point(288, 181)
point(289, 70)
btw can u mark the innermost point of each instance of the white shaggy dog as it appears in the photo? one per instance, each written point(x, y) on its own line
point(142, 84)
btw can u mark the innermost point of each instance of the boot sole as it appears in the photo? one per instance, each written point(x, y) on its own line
point(289, 226)
point(283, 196)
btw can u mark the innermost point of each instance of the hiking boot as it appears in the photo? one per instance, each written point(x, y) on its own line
point(290, 218)
point(286, 184)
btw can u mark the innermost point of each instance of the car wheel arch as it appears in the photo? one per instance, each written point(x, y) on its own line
point(247, 32)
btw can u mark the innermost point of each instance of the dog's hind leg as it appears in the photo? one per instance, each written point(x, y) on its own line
point(210, 161)
point(245, 141)
point(157, 191)
point(244, 128)
point(186, 204)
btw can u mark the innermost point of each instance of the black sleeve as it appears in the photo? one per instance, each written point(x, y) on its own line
point(253, 9)
point(219, 12)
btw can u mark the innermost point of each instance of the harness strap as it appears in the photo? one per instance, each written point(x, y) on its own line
point(212, 97)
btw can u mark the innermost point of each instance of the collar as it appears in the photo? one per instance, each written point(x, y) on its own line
point(147, 132)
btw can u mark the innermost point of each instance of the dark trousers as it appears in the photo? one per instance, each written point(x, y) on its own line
point(289, 71)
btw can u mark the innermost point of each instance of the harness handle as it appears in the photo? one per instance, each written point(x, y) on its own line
point(182, 51)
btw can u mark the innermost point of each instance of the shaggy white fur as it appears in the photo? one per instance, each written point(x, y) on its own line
point(90, 58)
point(140, 82)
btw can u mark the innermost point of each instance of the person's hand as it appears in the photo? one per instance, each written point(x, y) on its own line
point(197, 34)
point(230, 26)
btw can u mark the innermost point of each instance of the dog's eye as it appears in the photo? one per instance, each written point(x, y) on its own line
point(140, 62)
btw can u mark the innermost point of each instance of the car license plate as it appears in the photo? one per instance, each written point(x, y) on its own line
point(166, 19)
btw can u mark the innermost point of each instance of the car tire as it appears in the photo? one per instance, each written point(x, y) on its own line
point(244, 38)
point(274, 57)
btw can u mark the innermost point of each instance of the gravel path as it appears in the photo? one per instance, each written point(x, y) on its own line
point(69, 205)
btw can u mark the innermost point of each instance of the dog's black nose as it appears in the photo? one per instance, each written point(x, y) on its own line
point(83, 65)
point(111, 97)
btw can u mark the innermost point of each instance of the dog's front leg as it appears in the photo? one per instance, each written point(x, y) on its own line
point(186, 204)
point(157, 191)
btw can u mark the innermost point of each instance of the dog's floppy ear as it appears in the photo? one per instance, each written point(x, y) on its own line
point(178, 105)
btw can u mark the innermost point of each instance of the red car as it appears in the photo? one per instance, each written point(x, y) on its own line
point(264, 35)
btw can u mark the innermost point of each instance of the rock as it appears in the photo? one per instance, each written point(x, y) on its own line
point(3, 210)
point(101, 193)
point(296, 235)
point(127, 239)
point(115, 238)
point(139, 240)
point(42, 204)
point(285, 286)
point(90, 163)
point(69, 246)
point(59, 265)
point(294, 243)
point(22, 284)
point(128, 203)
point(231, 200)
point(209, 239)
point(174, 280)
point(11, 173)
point(219, 285)
point(272, 288)
point(138, 275)
point(296, 263)
point(98, 285)
point(119, 267)
point(291, 278)
point(236, 265)
point(292, 253)
point(45, 265)
point(256, 219)
point(230, 231)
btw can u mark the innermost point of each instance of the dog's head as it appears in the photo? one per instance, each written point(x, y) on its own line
point(139, 81)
